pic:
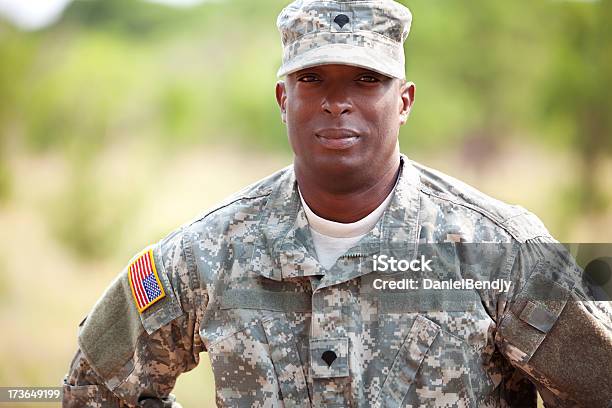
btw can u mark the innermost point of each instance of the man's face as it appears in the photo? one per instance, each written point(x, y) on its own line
point(343, 119)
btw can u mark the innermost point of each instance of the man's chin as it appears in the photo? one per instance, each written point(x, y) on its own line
point(337, 166)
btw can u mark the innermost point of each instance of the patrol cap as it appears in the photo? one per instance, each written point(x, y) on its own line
point(363, 33)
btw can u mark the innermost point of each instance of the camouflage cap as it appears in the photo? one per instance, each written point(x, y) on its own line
point(364, 33)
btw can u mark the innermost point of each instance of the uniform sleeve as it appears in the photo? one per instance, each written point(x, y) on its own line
point(554, 330)
point(132, 347)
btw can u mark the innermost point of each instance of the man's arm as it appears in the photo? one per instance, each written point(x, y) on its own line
point(131, 350)
point(555, 333)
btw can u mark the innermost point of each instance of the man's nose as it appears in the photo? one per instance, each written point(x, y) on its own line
point(336, 103)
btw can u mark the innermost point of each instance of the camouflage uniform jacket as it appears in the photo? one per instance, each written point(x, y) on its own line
point(243, 283)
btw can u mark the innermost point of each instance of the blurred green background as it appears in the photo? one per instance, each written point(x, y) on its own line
point(123, 119)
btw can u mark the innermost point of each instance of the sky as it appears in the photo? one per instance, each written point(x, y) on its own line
point(36, 14)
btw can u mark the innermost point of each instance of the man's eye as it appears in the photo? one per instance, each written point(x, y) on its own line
point(308, 78)
point(368, 79)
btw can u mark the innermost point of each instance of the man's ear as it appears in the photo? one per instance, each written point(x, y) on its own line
point(407, 100)
point(281, 99)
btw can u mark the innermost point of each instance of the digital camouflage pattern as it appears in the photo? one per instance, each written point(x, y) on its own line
point(243, 283)
point(368, 34)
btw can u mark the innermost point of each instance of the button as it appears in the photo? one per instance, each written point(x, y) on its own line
point(329, 357)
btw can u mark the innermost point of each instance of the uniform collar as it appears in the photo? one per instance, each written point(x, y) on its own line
point(288, 241)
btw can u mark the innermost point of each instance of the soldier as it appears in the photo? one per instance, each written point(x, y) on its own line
point(279, 286)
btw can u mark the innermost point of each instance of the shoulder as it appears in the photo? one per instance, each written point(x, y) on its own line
point(459, 202)
point(250, 199)
point(224, 231)
point(244, 205)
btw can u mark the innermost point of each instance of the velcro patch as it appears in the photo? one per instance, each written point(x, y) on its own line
point(144, 281)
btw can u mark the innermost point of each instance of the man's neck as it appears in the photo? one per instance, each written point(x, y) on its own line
point(351, 204)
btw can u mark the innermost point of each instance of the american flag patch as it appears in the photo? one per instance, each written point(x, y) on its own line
point(144, 281)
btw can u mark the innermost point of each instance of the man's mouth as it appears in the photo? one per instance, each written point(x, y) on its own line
point(337, 138)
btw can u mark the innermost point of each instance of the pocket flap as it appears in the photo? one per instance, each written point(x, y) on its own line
point(266, 300)
point(286, 361)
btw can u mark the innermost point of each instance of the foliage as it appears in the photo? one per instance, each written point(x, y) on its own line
point(577, 92)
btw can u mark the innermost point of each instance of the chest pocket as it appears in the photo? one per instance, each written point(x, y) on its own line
point(406, 364)
point(435, 367)
point(259, 364)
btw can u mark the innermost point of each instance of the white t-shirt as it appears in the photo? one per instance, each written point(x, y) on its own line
point(332, 239)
